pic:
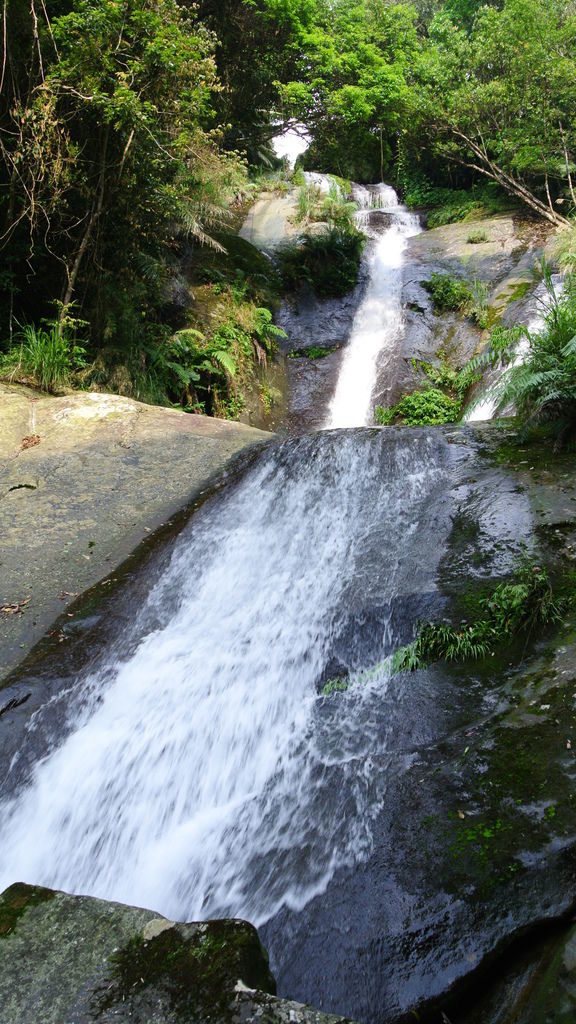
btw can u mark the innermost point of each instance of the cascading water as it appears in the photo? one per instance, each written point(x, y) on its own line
point(485, 409)
point(199, 772)
point(378, 321)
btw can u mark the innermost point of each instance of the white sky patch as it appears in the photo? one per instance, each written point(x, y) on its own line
point(291, 143)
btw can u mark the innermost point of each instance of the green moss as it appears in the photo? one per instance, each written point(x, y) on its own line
point(16, 900)
point(314, 352)
point(477, 237)
point(518, 291)
point(194, 975)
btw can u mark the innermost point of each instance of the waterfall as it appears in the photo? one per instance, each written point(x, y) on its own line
point(485, 409)
point(198, 772)
point(378, 321)
point(323, 182)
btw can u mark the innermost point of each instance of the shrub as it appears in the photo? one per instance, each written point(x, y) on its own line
point(314, 352)
point(329, 262)
point(421, 408)
point(448, 293)
point(476, 237)
point(439, 402)
point(448, 205)
point(543, 387)
point(451, 293)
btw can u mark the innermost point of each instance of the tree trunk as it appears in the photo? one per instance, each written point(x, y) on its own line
point(507, 181)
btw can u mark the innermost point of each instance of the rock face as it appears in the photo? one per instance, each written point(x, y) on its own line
point(269, 222)
point(84, 479)
point(474, 845)
point(506, 260)
point(79, 960)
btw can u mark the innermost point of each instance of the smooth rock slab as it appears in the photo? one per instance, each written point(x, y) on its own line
point(77, 960)
point(83, 479)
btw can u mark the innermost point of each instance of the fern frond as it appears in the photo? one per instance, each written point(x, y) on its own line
point(225, 360)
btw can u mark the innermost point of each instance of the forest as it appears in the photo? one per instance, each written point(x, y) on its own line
point(134, 133)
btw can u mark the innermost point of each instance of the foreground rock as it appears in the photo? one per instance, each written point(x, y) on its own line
point(75, 959)
point(470, 815)
point(84, 479)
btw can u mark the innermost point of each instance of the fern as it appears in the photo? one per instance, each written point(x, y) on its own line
point(544, 386)
point(517, 606)
point(225, 360)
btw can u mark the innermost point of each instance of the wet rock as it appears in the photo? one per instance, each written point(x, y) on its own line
point(313, 322)
point(537, 983)
point(474, 846)
point(502, 252)
point(79, 960)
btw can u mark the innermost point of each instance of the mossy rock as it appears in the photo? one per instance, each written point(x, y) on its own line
point(67, 959)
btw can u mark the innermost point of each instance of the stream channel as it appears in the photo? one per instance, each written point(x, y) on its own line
point(183, 757)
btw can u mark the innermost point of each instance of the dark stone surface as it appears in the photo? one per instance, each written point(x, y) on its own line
point(475, 843)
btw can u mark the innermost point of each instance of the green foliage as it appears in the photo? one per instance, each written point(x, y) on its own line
point(329, 262)
point(46, 356)
point(421, 408)
point(451, 293)
point(477, 237)
point(336, 685)
point(441, 401)
point(332, 208)
point(497, 97)
point(109, 163)
point(350, 85)
point(543, 387)
point(448, 293)
point(448, 205)
point(314, 352)
point(519, 606)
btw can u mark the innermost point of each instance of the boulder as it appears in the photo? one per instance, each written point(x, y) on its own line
point(85, 478)
point(79, 960)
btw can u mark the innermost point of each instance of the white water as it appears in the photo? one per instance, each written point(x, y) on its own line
point(486, 408)
point(200, 774)
point(378, 323)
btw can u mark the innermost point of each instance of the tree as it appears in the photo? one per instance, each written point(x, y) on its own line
point(108, 148)
point(351, 90)
point(500, 101)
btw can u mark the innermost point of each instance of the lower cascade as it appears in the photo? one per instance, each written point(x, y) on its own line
point(198, 771)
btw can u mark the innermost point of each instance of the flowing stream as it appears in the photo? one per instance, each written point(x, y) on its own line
point(378, 322)
point(199, 772)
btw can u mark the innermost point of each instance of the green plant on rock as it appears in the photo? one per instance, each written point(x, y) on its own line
point(328, 262)
point(542, 387)
point(313, 352)
point(307, 204)
point(518, 606)
point(47, 356)
point(477, 237)
point(439, 402)
point(429, 407)
point(451, 293)
point(337, 211)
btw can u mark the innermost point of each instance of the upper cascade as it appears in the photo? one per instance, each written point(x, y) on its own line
point(378, 322)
